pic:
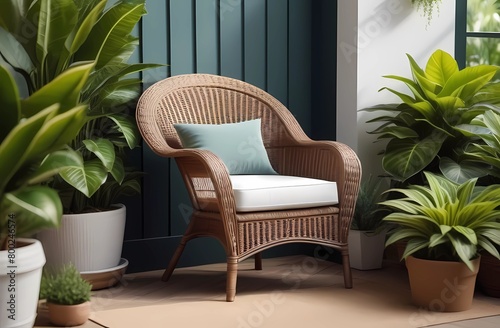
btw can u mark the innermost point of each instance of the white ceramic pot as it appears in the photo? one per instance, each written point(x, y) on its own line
point(91, 241)
point(20, 283)
point(366, 249)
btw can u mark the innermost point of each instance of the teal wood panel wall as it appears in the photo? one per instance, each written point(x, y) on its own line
point(269, 43)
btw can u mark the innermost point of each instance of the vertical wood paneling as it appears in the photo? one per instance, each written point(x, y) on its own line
point(277, 49)
point(324, 76)
point(255, 42)
point(183, 60)
point(265, 42)
point(207, 37)
point(299, 65)
point(155, 191)
point(231, 38)
point(182, 37)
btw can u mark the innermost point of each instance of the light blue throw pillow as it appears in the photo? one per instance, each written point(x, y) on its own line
point(238, 145)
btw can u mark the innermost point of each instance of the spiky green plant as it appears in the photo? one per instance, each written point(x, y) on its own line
point(368, 213)
point(445, 220)
point(65, 287)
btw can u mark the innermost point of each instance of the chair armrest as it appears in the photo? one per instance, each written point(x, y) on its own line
point(327, 160)
point(205, 165)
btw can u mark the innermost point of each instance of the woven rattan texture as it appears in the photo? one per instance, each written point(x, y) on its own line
point(212, 99)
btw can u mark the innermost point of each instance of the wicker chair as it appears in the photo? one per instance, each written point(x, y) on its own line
point(212, 99)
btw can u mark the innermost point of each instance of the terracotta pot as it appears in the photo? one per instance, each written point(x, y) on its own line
point(488, 276)
point(68, 315)
point(442, 286)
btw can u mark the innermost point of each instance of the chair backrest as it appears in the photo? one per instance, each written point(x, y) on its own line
point(212, 99)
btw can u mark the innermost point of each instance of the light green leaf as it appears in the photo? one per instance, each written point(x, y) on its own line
point(9, 103)
point(88, 178)
point(35, 208)
point(104, 150)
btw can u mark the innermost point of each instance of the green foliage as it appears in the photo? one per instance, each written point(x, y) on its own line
point(488, 129)
point(428, 7)
point(445, 220)
point(64, 33)
point(33, 135)
point(368, 214)
point(427, 130)
point(482, 16)
point(65, 287)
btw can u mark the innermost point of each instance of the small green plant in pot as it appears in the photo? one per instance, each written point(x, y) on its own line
point(367, 234)
point(67, 295)
point(446, 225)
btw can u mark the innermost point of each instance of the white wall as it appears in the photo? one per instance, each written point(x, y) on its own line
point(385, 31)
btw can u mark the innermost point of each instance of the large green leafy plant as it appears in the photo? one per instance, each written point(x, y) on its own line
point(445, 220)
point(428, 129)
point(41, 39)
point(33, 135)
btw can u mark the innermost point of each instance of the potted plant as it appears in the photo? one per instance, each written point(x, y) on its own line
point(33, 135)
point(367, 234)
point(75, 32)
point(67, 296)
point(488, 129)
point(427, 130)
point(446, 225)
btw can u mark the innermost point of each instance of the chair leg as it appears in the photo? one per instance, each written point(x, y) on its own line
point(347, 269)
point(232, 275)
point(258, 261)
point(173, 262)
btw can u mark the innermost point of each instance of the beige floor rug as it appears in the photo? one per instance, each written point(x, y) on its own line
point(289, 292)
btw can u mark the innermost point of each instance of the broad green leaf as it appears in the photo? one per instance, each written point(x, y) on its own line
point(104, 150)
point(9, 103)
point(414, 245)
point(87, 178)
point(440, 67)
point(430, 88)
point(404, 97)
point(463, 171)
point(468, 81)
point(417, 91)
point(111, 32)
point(56, 19)
point(53, 164)
point(17, 141)
point(35, 208)
point(405, 157)
point(14, 53)
point(57, 132)
point(82, 30)
point(467, 233)
point(118, 171)
point(127, 126)
point(64, 89)
point(465, 251)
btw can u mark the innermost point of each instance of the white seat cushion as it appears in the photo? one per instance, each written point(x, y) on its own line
point(278, 192)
